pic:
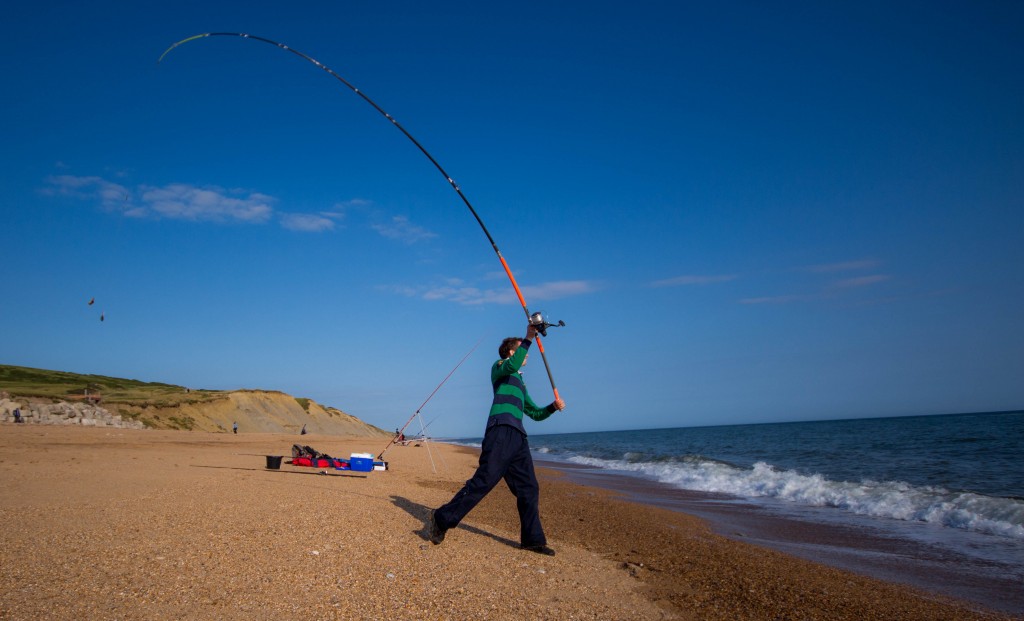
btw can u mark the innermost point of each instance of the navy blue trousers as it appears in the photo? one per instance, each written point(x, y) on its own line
point(504, 454)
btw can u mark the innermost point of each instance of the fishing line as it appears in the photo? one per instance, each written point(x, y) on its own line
point(535, 318)
point(425, 401)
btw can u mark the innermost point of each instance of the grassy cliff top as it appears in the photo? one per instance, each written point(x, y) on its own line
point(41, 383)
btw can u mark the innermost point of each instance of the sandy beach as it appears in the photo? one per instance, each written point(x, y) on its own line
point(140, 524)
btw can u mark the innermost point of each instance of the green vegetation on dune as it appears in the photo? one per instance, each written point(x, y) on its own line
point(28, 382)
point(167, 406)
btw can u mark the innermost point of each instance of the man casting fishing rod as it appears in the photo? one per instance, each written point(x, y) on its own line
point(505, 452)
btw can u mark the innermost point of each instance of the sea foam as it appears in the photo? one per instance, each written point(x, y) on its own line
point(886, 499)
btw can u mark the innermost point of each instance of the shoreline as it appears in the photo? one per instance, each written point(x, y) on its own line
point(114, 524)
point(857, 548)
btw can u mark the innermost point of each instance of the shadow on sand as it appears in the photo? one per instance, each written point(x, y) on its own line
point(314, 472)
point(422, 513)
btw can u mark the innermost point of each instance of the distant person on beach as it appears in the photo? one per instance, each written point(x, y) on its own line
point(234, 426)
point(17, 415)
point(505, 453)
point(303, 432)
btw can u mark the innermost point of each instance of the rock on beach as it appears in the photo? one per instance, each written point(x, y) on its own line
point(64, 413)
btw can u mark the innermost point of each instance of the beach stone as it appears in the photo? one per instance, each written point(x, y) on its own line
point(64, 413)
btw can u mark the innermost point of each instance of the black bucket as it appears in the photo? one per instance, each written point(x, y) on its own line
point(274, 462)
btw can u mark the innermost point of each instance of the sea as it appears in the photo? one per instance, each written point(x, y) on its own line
point(936, 502)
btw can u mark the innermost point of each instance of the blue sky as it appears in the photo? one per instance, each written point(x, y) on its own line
point(743, 212)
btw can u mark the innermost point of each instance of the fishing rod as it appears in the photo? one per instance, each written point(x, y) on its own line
point(535, 318)
point(429, 397)
point(423, 429)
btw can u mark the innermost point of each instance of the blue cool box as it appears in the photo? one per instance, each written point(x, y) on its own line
point(361, 464)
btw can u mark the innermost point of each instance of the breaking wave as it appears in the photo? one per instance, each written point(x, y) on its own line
point(886, 499)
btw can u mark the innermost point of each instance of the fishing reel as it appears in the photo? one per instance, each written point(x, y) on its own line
point(537, 320)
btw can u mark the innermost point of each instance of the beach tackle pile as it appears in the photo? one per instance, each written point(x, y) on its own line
point(309, 457)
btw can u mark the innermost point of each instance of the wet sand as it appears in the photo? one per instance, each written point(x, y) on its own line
point(860, 548)
point(124, 524)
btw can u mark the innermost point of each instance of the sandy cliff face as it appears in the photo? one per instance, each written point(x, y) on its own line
point(254, 411)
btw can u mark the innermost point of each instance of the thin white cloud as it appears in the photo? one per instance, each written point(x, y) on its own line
point(831, 291)
point(334, 215)
point(777, 299)
point(845, 266)
point(558, 289)
point(307, 222)
point(181, 201)
point(399, 228)
point(402, 290)
point(110, 195)
point(470, 296)
point(460, 294)
point(691, 279)
point(177, 201)
point(455, 290)
point(341, 209)
point(860, 281)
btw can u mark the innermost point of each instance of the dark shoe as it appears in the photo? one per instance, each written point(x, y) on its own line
point(436, 532)
point(540, 549)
